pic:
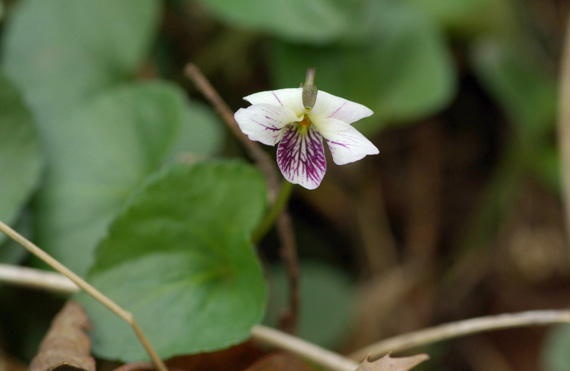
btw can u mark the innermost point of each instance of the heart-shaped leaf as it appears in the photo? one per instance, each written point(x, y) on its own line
point(59, 52)
point(316, 20)
point(20, 156)
point(102, 153)
point(179, 257)
point(471, 17)
point(521, 85)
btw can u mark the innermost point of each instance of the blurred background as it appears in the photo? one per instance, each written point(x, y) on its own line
point(459, 216)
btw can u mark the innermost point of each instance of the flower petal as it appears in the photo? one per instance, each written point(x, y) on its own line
point(329, 106)
point(345, 142)
point(291, 98)
point(301, 156)
point(264, 122)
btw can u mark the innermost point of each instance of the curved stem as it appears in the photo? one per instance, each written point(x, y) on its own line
point(262, 335)
point(267, 166)
point(564, 127)
point(463, 328)
point(85, 286)
point(279, 205)
point(320, 356)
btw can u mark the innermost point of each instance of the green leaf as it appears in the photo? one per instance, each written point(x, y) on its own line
point(99, 156)
point(316, 20)
point(556, 351)
point(12, 252)
point(20, 155)
point(527, 93)
point(59, 52)
point(179, 257)
point(201, 132)
point(546, 166)
point(405, 72)
point(326, 299)
point(470, 17)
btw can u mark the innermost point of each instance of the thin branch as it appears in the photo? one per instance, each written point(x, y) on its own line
point(309, 351)
point(261, 158)
point(336, 362)
point(273, 214)
point(38, 279)
point(564, 126)
point(260, 334)
point(463, 328)
point(288, 253)
point(115, 308)
point(284, 225)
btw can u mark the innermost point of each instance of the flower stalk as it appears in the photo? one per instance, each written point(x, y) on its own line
point(279, 205)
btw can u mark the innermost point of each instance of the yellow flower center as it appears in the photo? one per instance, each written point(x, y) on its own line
point(305, 122)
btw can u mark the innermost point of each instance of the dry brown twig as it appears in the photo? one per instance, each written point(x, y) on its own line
point(336, 362)
point(462, 328)
point(288, 251)
point(564, 126)
point(92, 291)
point(260, 334)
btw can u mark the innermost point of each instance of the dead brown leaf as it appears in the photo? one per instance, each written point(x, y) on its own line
point(388, 363)
point(66, 345)
point(236, 358)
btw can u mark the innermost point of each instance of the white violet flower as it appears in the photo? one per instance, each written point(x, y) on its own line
point(299, 125)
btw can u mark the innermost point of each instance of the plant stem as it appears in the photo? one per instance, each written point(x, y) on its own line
point(279, 205)
point(37, 279)
point(260, 334)
point(564, 127)
point(285, 229)
point(96, 294)
point(323, 357)
point(288, 255)
point(311, 352)
point(261, 158)
point(462, 328)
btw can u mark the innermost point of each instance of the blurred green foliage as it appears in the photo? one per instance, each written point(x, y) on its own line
point(556, 356)
point(327, 300)
point(403, 76)
point(469, 18)
point(177, 252)
point(138, 125)
point(20, 157)
point(61, 52)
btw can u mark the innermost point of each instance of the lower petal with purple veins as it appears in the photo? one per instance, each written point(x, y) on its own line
point(301, 156)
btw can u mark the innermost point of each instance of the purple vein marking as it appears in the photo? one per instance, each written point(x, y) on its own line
point(276, 97)
point(301, 156)
point(338, 109)
point(267, 127)
point(345, 145)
